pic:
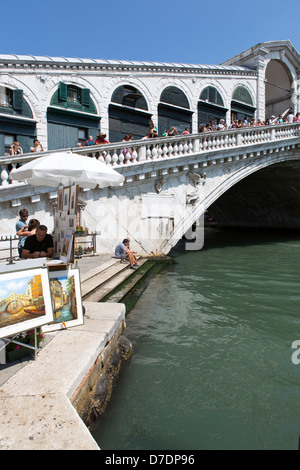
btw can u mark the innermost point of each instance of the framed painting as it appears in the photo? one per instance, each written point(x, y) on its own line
point(66, 299)
point(60, 197)
point(67, 246)
point(25, 300)
point(73, 200)
point(66, 200)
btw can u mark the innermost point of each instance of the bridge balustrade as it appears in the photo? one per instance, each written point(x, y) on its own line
point(140, 151)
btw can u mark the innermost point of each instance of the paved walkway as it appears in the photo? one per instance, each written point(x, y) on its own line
point(88, 263)
point(87, 266)
point(35, 394)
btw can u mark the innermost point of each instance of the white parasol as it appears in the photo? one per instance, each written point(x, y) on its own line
point(67, 168)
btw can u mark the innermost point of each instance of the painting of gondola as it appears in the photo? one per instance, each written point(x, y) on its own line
point(66, 299)
point(25, 300)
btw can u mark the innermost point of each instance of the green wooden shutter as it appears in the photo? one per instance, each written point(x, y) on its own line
point(63, 91)
point(243, 95)
point(18, 100)
point(85, 97)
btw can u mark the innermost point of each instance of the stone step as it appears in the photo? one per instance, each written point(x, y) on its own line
point(99, 269)
point(95, 288)
point(120, 295)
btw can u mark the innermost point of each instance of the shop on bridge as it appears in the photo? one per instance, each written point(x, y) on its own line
point(16, 121)
point(71, 117)
point(174, 110)
point(210, 107)
point(242, 104)
point(128, 114)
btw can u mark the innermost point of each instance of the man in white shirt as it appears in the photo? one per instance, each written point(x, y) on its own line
point(290, 117)
point(272, 120)
point(221, 125)
point(37, 146)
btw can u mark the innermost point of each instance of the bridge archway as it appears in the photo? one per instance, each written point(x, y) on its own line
point(14, 306)
point(228, 179)
point(258, 201)
point(278, 89)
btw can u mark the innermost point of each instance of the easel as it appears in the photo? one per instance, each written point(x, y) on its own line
point(8, 341)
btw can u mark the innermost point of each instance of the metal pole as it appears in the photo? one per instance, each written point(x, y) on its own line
point(11, 259)
point(35, 343)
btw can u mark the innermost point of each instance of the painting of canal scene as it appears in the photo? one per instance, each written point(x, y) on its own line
point(25, 301)
point(66, 299)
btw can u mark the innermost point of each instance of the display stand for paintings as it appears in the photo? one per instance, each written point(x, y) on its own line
point(65, 222)
point(8, 341)
point(64, 244)
point(32, 302)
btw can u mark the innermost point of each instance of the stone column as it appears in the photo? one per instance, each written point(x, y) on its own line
point(297, 93)
point(261, 89)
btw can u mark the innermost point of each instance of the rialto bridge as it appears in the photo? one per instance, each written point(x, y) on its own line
point(245, 177)
point(15, 302)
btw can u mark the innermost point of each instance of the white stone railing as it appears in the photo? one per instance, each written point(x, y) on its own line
point(119, 154)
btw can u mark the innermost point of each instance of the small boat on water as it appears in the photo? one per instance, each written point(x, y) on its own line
point(34, 310)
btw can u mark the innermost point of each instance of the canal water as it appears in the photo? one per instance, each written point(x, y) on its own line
point(212, 351)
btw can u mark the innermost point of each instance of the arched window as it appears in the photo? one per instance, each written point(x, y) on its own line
point(12, 102)
point(242, 94)
point(210, 106)
point(242, 104)
point(175, 97)
point(128, 114)
point(23, 129)
point(127, 95)
point(6, 97)
point(73, 97)
point(174, 110)
point(211, 95)
point(71, 117)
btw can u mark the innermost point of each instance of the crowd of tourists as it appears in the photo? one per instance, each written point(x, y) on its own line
point(213, 125)
point(242, 123)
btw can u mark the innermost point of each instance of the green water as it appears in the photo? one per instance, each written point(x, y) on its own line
point(211, 365)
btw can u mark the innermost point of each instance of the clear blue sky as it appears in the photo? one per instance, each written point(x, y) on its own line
point(187, 31)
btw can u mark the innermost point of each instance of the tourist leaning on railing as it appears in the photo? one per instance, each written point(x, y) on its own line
point(242, 124)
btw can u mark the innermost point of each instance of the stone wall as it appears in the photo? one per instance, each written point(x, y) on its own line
point(91, 398)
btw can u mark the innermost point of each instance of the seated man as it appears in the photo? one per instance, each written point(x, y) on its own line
point(123, 252)
point(39, 245)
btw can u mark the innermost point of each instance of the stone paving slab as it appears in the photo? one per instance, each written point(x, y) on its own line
point(42, 422)
point(58, 367)
point(101, 278)
point(88, 270)
point(35, 394)
point(104, 324)
point(35, 401)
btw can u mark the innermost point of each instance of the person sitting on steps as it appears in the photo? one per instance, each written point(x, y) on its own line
point(124, 252)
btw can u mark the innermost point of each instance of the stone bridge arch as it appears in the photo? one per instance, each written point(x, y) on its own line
point(214, 182)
